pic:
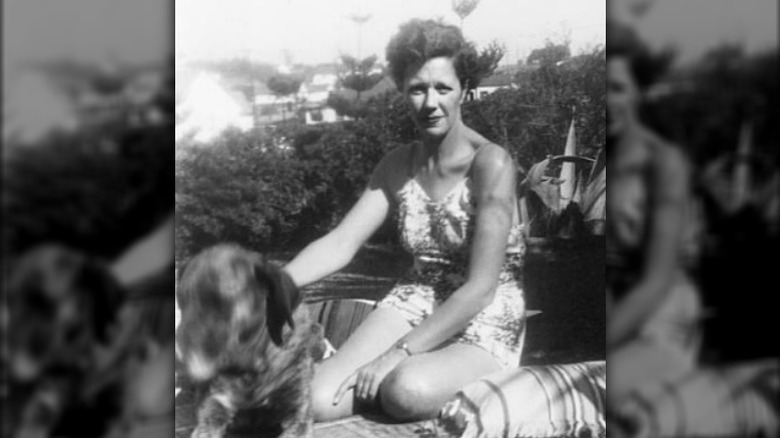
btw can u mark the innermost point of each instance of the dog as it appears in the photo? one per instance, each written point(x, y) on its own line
point(61, 310)
point(247, 342)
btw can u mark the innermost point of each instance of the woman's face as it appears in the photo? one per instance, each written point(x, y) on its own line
point(622, 96)
point(434, 94)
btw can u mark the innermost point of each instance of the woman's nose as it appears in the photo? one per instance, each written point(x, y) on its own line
point(431, 100)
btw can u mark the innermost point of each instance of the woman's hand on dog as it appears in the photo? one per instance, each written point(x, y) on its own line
point(366, 380)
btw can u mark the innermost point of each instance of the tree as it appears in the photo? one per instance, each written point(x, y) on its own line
point(488, 59)
point(709, 100)
point(550, 54)
point(96, 190)
point(360, 75)
point(283, 85)
point(344, 106)
point(533, 120)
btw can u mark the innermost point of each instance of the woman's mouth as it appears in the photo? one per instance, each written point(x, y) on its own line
point(431, 120)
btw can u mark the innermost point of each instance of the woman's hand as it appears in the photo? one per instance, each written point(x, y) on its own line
point(366, 379)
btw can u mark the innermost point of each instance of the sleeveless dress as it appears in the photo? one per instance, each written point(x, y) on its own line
point(666, 345)
point(438, 235)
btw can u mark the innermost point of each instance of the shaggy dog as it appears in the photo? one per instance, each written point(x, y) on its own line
point(61, 311)
point(246, 342)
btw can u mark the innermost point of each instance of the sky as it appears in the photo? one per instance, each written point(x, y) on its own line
point(695, 26)
point(313, 31)
point(317, 31)
point(129, 31)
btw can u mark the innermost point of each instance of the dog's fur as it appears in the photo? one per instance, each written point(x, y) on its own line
point(61, 310)
point(246, 341)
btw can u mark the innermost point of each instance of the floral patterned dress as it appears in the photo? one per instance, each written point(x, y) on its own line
point(438, 234)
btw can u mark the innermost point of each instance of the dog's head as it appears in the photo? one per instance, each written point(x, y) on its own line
point(231, 297)
point(60, 305)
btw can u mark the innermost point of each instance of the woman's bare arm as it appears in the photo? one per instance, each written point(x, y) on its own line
point(669, 194)
point(336, 249)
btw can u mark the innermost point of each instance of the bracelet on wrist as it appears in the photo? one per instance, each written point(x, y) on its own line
point(403, 346)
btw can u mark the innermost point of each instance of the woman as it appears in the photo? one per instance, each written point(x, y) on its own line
point(653, 306)
point(459, 313)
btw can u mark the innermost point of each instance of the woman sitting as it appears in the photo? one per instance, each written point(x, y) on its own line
point(458, 314)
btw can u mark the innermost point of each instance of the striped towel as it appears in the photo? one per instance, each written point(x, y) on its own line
point(724, 401)
point(536, 401)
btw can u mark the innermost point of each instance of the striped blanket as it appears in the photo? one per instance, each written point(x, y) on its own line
point(739, 400)
point(565, 400)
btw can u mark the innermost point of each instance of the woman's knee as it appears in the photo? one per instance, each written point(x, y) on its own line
point(406, 394)
point(323, 389)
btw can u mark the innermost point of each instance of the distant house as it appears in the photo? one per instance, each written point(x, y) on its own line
point(314, 93)
point(327, 74)
point(321, 81)
point(315, 108)
point(496, 81)
point(269, 106)
point(318, 82)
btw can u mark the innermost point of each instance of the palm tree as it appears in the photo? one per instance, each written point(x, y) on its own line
point(360, 75)
point(359, 20)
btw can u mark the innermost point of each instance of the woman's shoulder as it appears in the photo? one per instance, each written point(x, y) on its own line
point(493, 171)
point(491, 158)
point(664, 153)
point(668, 163)
point(659, 148)
point(488, 155)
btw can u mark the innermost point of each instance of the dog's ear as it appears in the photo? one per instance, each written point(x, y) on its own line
point(282, 298)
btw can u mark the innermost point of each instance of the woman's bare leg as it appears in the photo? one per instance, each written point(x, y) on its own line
point(418, 388)
point(381, 329)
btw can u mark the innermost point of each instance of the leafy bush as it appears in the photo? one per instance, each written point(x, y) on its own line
point(711, 99)
point(280, 188)
point(96, 191)
point(240, 188)
point(533, 120)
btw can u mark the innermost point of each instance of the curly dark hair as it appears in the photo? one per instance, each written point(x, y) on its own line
point(646, 66)
point(419, 40)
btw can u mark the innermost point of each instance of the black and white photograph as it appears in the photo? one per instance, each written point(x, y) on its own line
point(693, 205)
point(346, 218)
point(390, 218)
